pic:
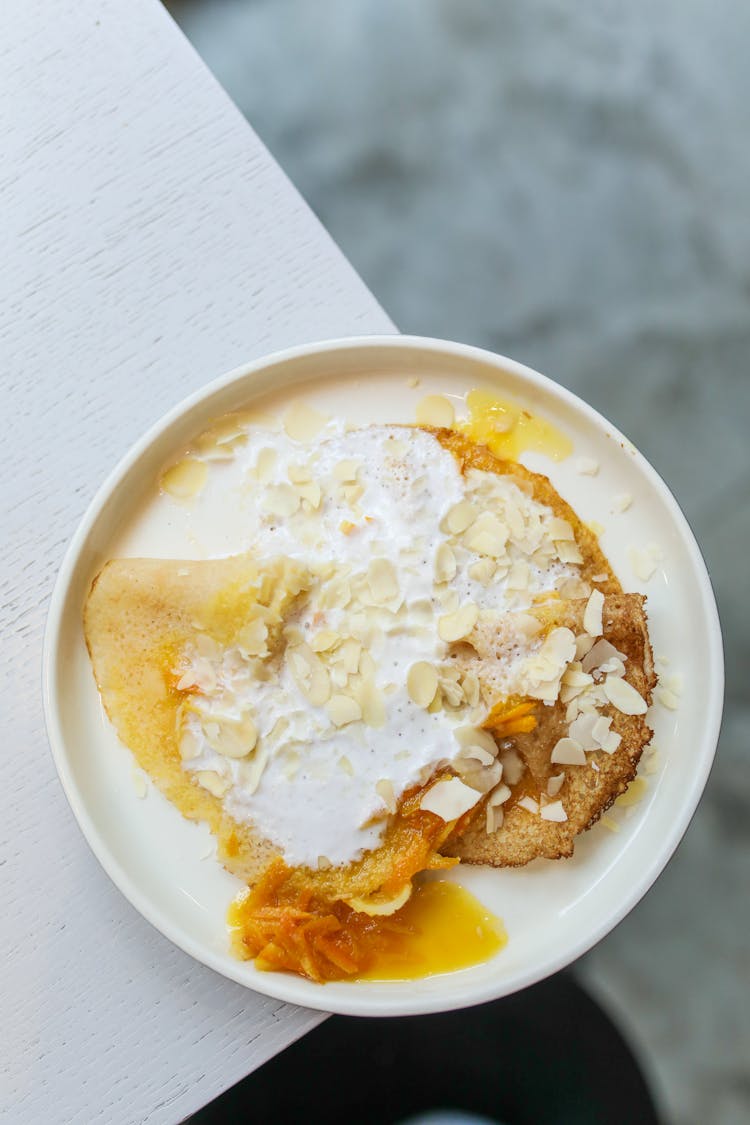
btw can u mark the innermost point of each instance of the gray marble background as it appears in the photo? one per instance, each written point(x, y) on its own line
point(568, 183)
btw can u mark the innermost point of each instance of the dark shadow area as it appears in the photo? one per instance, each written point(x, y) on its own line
point(546, 1056)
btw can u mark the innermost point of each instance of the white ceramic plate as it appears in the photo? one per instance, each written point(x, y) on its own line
point(553, 911)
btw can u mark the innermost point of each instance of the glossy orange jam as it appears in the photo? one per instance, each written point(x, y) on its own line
point(508, 430)
point(441, 928)
point(447, 929)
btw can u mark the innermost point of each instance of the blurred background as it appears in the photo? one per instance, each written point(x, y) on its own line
point(569, 184)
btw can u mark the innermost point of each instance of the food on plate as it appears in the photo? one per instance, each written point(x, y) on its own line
point(422, 657)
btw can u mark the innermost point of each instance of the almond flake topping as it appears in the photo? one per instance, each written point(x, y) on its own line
point(555, 784)
point(422, 683)
point(623, 696)
point(553, 811)
point(592, 615)
point(384, 790)
point(445, 563)
point(568, 752)
point(381, 578)
point(456, 626)
point(459, 517)
point(449, 799)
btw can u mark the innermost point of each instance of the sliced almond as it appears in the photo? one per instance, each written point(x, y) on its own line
point(553, 811)
point(346, 471)
point(455, 626)
point(449, 600)
point(555, 784)
point(325, 640)
point(435, 410)
point(622, 502)
point(213, 782)
point(623, 696)
point(603, 652)
point(587, 466)
point(346, 766)
point(468, 737)
point(479, 755)
point(529, 804)
point(518, 578)
point(251, 770)
point(449, 799)
point(568, 552)
point(574, 588)
point(668, 699)
point(310, 492)
point(378, 907)
point(600, 728)
point(234, 738)
point(343, 709)
point(422, 683)
point(302, 422)
point(581, 730)
point(592, 615)
point(349, 655)
point(459, 517)
point(559, 530)
point(494, 818)
point(370, 700)
point(471, 688)
point(487, 536)
point(513, 766)
point(264, 464)
point(575, 679)
point(299, 474)
point(445, 563)
point(384, 790)
point(382, 580)
point(185, 479)
point(645, 562)
point(499, 795)
point(483, 571)
point(280, 500)
point(568, 752)
point(352, 493)
point(309, 674)
point(188, 746)
point(252, 638)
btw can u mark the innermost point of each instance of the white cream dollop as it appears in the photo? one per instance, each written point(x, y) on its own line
point(368, 508)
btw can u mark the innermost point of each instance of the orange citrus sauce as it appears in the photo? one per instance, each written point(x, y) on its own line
point(440, 929)
point(508, 430)
point(447, 928)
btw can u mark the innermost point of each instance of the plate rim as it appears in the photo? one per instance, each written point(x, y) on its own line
point(288, 988)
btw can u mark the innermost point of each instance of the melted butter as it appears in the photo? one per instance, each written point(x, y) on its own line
point(508, 430)
point(634, 793)
point(448, 929)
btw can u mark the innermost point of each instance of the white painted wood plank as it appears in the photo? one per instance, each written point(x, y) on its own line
point(149, 243)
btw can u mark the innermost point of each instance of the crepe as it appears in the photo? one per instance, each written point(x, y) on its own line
point(142, 615)
point(139, 616)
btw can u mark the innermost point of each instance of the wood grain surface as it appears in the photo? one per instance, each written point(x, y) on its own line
point(149, 243)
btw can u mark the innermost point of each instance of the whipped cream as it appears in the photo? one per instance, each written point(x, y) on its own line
point(380, 515)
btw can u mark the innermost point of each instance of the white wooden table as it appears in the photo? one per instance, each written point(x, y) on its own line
point(149, 243)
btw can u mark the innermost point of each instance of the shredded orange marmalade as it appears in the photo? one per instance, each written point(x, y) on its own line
point(284, 925)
